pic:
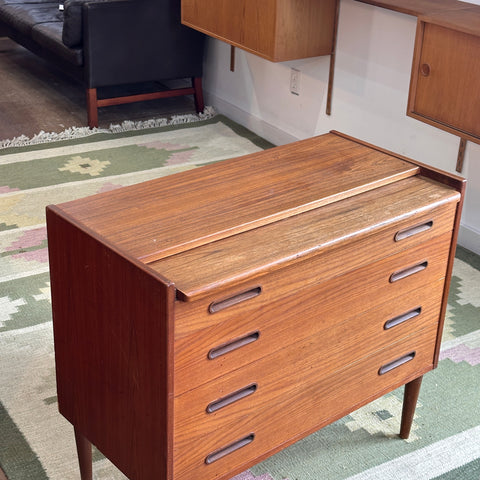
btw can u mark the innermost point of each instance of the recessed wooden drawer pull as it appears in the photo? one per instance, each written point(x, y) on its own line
point(396, 363)
point(425, 69)
point(218, 454)
point(393, 322)
point(231, 398)
point(239, 297)
point(411, 231)
point(406, 272)
point(233, 345)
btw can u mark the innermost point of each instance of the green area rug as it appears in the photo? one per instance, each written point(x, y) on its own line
point(36, 443)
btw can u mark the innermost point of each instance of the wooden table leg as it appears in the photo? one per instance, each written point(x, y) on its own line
point(84, 451)
point(412, 389)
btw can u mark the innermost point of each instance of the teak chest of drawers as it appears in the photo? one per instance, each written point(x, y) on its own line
point(206, 320)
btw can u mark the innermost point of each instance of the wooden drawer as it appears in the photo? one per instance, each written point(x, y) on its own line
point(340, 258)
point(277, 318)
point(289, 403)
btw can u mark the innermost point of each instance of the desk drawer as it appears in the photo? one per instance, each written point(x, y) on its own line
point(271, 322)
point(290, 402)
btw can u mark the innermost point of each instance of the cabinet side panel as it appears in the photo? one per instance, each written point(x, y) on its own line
point(111, 323)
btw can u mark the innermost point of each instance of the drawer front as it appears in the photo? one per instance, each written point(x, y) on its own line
point(293, 397)
point(267, 322)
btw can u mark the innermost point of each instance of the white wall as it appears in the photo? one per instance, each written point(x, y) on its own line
point(372, 76)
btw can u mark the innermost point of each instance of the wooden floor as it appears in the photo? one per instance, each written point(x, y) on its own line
point(35, 96)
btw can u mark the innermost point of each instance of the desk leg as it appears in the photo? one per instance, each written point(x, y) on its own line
point(412, 389)
point(84, 451)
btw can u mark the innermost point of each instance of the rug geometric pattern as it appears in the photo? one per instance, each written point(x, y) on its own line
point(36, 443)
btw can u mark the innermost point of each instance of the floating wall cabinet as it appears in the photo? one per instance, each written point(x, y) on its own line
point(278, 30)
point(205, 320)
point(445, 84)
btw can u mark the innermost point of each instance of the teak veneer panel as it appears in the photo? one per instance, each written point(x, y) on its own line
point(191, 359)
point(193, 317)
point(465, 19)
point(112, 301)
point(447, 39)
point(149, 222)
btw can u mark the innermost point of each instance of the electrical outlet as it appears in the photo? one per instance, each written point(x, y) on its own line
point(295, 81)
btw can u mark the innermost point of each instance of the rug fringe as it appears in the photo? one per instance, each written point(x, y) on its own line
point(128, 125)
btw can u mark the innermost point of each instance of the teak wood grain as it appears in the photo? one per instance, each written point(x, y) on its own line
point(278, 30)
point(293, 406)
point(465, 19)
point(282, 316)
point(278, 254)
point(112, 329)
point(302, 322)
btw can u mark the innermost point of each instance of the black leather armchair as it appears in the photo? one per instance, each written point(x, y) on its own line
point(106, 43)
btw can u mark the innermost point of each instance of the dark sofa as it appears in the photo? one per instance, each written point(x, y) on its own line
point(105, 43)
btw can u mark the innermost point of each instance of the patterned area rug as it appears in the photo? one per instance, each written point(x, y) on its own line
point(36, 443)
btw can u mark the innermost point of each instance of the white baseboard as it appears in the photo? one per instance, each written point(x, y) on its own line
point(469, 239)
point(246, 119)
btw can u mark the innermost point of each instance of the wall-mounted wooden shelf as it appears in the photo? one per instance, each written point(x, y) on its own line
point(278, 30)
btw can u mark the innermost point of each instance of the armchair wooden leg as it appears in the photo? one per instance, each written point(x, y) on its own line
point(198, 95)
point(412, 389)
point(92, 107)
point(84, 451)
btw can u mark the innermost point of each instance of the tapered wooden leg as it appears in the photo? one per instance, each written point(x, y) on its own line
point(412, 389)
point(92, 107)
point(198, 95)
point(84, 451)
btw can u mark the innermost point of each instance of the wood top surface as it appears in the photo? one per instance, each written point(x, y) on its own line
point(462, 16)
point(466, 20)
point(173, 214)
point(418, 7)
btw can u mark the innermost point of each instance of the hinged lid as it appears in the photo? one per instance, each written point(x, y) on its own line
point(174, 214)
point(230, 261)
